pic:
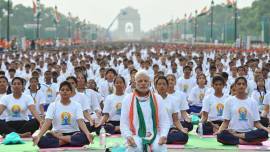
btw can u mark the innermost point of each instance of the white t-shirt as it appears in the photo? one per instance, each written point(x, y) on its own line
point(241, 113)
point(259, 97)
point(106, 88)
point(39, 98)
point(49, 91)
point(186, 85)
point(196, 96)
point(4, 113)
point(64, 117)
point(214, 106)
point(181, 102)
point(80, 98)
point(266, 100)
point(171, 107)
point(112, 106)
point(92, 98)
point(17, 108)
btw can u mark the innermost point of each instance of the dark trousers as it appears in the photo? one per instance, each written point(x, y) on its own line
point(19, 126)
point(45, 106)
point(264, 121)
point(78, 139)
point(254, 136)
point(109, 127)
point(176, 137)
point(187, 125)
point(207, 127)
point(194, 109)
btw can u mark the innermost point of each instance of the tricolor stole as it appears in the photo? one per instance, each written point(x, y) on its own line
point(147, 141)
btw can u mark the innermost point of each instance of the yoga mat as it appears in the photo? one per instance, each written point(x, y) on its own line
point(171, 146)
point(28, 146)
point(110, 142)
point(62, 149)
point(115, 136)
point(265, 146)
point(196, 142)
point(253, 147)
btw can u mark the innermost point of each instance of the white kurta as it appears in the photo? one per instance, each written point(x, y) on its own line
point(163, 127)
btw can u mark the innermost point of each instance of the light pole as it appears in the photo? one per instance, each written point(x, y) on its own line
point(8, 22)
point(185, 27)
point(212, 20)
point(69, 25)
point(235, 20)
point(38, 16)
point(195, 31)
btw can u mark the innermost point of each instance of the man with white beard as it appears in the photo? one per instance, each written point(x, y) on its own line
point(143, 122)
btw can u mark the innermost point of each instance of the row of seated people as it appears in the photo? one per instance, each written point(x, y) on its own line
point(231, 118)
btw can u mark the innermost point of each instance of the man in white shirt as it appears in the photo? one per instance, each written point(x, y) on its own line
point(137, 125)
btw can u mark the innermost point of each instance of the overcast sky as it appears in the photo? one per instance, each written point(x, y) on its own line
point(153, 12)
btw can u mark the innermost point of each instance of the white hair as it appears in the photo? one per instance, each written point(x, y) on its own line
point(141, 73)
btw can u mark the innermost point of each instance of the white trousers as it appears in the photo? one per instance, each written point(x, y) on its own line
point(139, 148)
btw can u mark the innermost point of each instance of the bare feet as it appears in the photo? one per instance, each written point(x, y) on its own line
point(25, 135)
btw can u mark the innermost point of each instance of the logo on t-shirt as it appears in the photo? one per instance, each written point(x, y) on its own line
point(220, 108)
point(65, 118)
point(118, 108)
point(49, 92)
point(185, 87)
point(16, 110)
point(201, 96)
point(242, 114)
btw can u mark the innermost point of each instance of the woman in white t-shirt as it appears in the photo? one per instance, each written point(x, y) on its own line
point(197, 94)
point(213, 105)
point(259, 94)
point(17, 105)
point(66, 118)
point(3, 92)
point(241, 116)
point(37, 95)
point(92, 98)
point(112, 107)
point(177, 134)
point(181, 101)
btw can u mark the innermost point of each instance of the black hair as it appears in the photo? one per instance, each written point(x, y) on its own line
point(161, 78)
point(2, 72)
point(231, 88)
point(133, 70)
point(35, 78)
point(240, 78)
point(111, 70)
point(224, 75)
point(198, 67)
point(11, 70)
point(197, 77)
point(73, 78)
point(65, 83)
point(84, 76)
point(171, 75)
point(8, 91)
point(120, 77)
point(18, 78)
point(218, 78)
point(96, 88)
point(187, 67)
point(264, 89)
point(4, 77)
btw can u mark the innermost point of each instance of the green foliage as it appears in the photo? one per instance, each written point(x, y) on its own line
point(22, 15)
point(249, 22)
